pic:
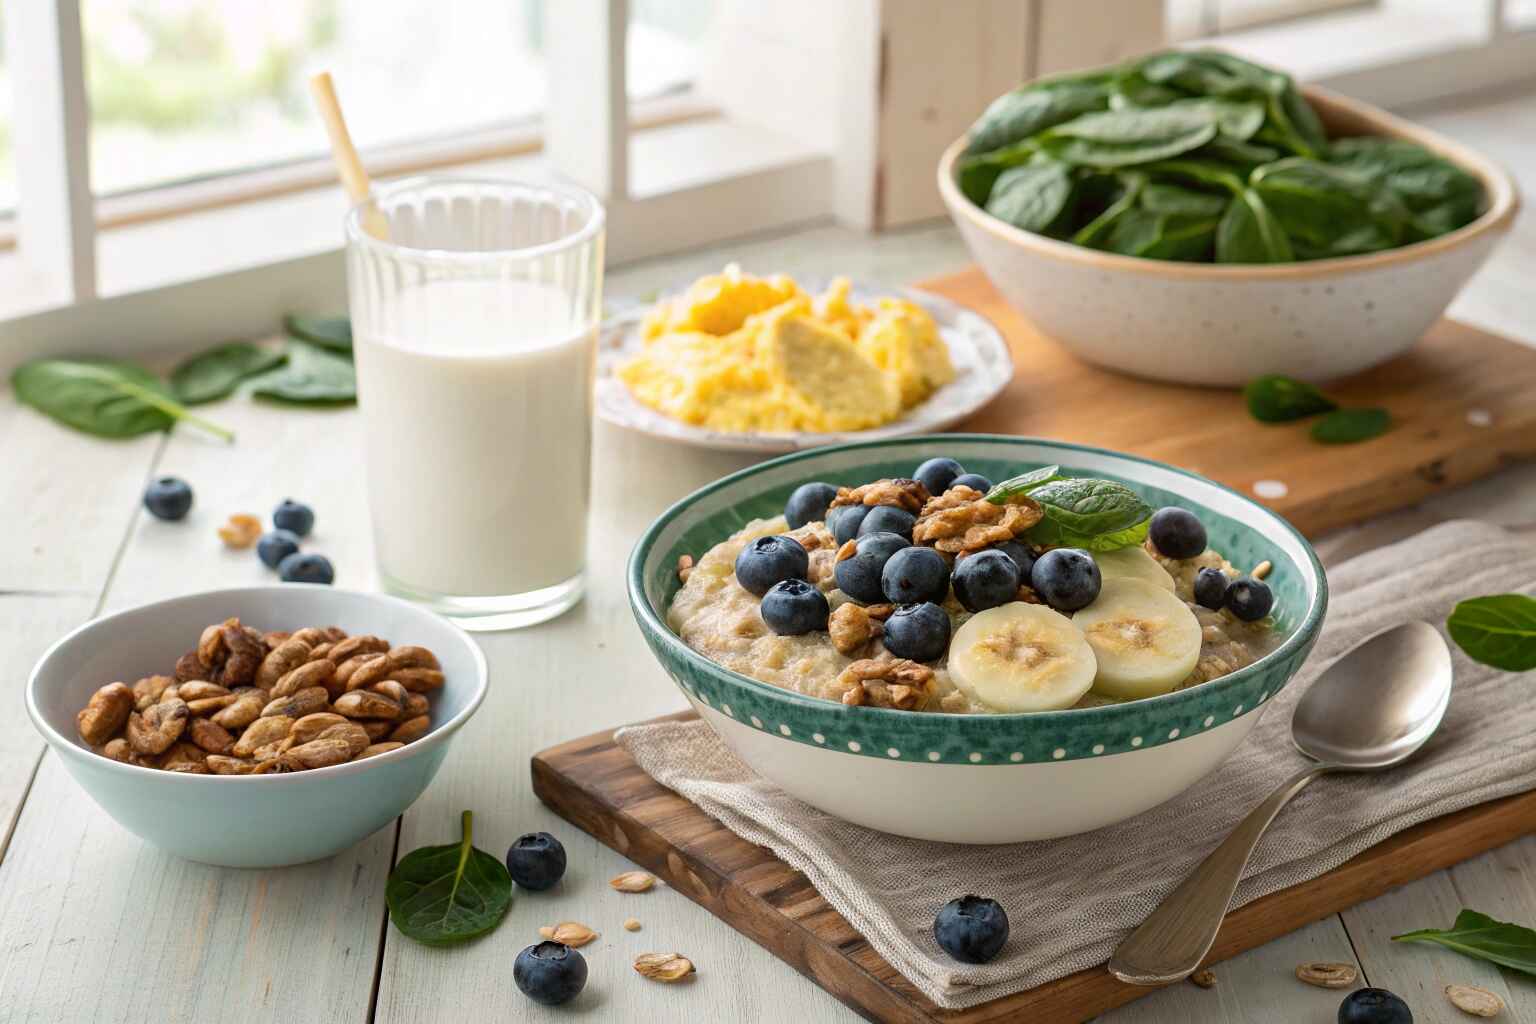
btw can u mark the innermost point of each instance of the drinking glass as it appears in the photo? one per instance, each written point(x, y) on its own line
point(475, 306)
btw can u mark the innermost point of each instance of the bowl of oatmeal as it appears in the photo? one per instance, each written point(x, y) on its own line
point(976, 638)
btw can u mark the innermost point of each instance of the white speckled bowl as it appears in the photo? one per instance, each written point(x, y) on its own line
point(256, 820)
point(1198, 323)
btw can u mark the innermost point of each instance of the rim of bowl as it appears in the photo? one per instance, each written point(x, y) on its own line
point(1503, 205)
point(432, 739)
point(652, 623)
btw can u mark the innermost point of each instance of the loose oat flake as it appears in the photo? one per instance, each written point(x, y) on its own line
point(1327, 975)
point(663, 966)
point(1479, 1002)
point(633, 881)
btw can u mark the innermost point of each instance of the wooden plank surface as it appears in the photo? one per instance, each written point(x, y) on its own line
point(594, 784)
point(1457, 370)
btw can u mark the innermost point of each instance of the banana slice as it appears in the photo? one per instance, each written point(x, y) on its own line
point(1133, 563)
point(1145, 640)
point(1021, 657)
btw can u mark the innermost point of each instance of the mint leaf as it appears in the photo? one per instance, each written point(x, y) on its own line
point(443, 895)
point(1278, 399)
point(1497, 630)
point(1079, 510)
point(1347, 426)
point(1483, 938)
point(1023, 483)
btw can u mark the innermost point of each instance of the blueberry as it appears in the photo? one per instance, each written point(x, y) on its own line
point(1022, 554)
point(917, 631)
point(550, 973)
point(975, 481)
point(794, 608)
point(859, 576)
point(888, 519)
point(536, 860)
point(300, 568)
point(844, 522)
point(986, 579)
point(971, 929)
point(295, 516)
point(770, 560)
point(938, 475)
point(808, 504)
point(169, 497)
point(276, 545)
point(1374, 1006)
point(1066, 579)
point(1211, 588)
point(1249, 599)
point(914, 575)
point(1177, 532)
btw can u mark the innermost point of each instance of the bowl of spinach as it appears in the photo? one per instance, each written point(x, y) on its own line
point(1192, 216)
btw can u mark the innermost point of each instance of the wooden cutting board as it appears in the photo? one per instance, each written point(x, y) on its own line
point(596, 786)
point(1464, 402)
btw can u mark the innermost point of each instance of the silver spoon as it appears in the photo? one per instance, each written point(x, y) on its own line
point(1370, 710)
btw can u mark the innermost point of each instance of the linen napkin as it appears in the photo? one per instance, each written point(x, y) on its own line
point(1071, 900)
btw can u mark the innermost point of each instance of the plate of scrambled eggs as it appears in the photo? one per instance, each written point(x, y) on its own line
point(751, 363)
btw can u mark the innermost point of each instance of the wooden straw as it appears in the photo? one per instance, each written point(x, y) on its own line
point(348, 164)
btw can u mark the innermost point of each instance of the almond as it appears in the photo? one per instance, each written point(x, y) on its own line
point(666, 967)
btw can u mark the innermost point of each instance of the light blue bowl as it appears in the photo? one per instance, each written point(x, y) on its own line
point(250, 821)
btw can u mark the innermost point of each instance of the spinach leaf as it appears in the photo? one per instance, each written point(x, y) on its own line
point(1158, 236)
point(1202, 172)
point(103, 397)
point(1440, 196)
point(1250, 233)
point(1015, 116)
point(1120, 138)
point(1023, 483)
point(1211, 73)
point(1347, 426)
point(1080, 510)
point(1277, 399)
point(1161, 197)
point(442, 895)
point(1031, 197)
point(977, 174)
point(312, 376)
point(1328, 210)
point(332, 332)
point(1498, 630)
point(1297, 122)
point(1090, 233)
point(214, 374)
point(1483, 938)
point(1242, 156)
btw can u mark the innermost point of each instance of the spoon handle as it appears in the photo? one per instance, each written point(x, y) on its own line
point(1176, 936)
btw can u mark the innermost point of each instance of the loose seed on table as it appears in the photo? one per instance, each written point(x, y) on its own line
point(1479, 1002)
point(631, 925)
point(1204, 978)
point(572, 933)
point(663, 966)
point(241, 531)
point(633, 881)
point(1327, 975)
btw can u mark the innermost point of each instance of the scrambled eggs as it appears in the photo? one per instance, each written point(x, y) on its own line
point(749, 354)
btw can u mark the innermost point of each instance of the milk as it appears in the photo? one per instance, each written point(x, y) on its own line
point(477, 402)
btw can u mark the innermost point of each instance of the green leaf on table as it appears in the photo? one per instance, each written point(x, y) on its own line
point(1348, 426)
point(1483, 938)
point(1278, 399)
point(1088, 512)
point(332, 332)
point(1497, 630)
point(1031, 197)
point(214, 374)
point(443, 895)
point(1023, 483)
point(103, 397)
point(312, 376)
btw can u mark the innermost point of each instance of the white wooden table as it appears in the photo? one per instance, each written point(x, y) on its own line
point(97, 926)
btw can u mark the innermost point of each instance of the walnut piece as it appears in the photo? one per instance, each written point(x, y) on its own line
point(960, 521)
point(898, 683)
point(850, 627)
point(900, 492)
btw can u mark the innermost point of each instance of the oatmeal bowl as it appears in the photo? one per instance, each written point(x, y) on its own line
point(975, 638)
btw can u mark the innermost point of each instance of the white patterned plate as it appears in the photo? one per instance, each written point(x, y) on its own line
point(983, 367)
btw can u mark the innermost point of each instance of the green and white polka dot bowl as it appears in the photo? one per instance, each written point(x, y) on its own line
point(979, 778)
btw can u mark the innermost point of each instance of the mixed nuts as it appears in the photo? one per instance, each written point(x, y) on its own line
point(244, 702)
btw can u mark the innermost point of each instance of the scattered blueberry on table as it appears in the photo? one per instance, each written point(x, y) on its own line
point(888, 519)
point(1177, 532)
point(972, 929)
point(938, 475)
point(770, 560)
point(975, 481)
point(294, 516)
point(302, 568)
point(1066, 579)
point(844, 522)
point(913, 575)
point(794, 608)
point(168, 497)
point(550, 973)
point(808, 504)
point(536, 860)
point(1374, 1006)
point(860, 575)
point(1211, 588)
point(1249, 599)
point(986, 579)
point(919, 632)
point(276, 545)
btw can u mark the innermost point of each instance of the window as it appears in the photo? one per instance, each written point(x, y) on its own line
point(7, 134)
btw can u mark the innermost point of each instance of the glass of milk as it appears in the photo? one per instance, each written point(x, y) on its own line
point(475, 306)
